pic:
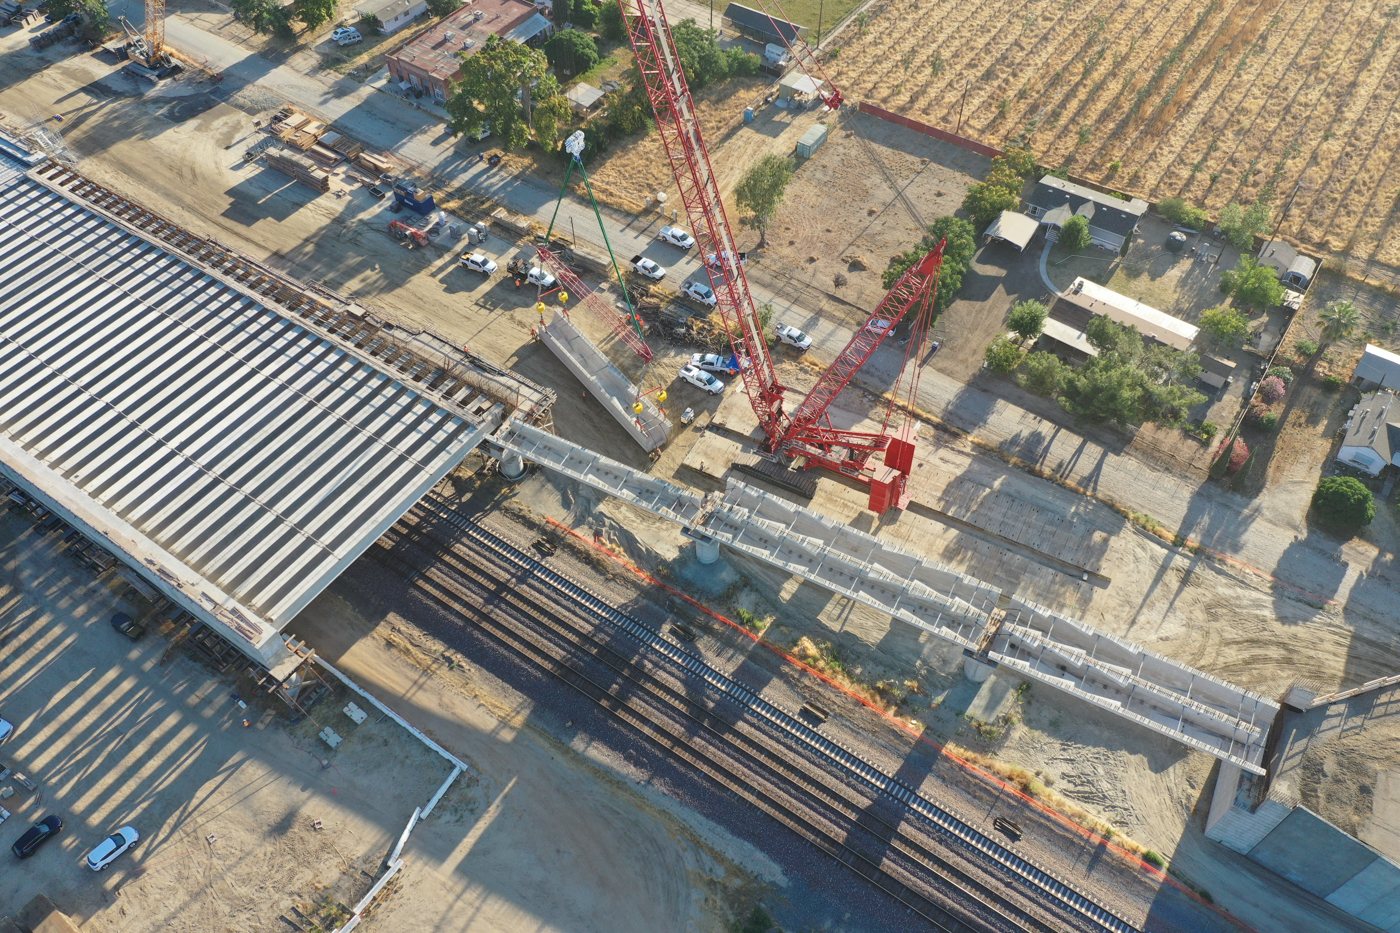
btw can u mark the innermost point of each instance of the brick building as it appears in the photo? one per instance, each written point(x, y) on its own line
point(429, 62)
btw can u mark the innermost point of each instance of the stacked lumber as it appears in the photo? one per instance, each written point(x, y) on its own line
point(515, 223)
point(347, 147)
point(300, 168)
point(324, 156)
point(374, 163)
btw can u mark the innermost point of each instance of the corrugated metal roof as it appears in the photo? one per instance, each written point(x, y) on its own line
point(761, 23)
point(251, 449)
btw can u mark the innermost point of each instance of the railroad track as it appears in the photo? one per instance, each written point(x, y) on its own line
point(837, 806)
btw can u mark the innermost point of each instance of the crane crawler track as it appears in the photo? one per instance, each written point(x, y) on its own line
point(735, 724)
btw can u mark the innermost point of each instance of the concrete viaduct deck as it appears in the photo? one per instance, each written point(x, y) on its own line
point(995, 629)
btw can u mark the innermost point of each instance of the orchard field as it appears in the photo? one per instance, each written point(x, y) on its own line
point(1211, 100)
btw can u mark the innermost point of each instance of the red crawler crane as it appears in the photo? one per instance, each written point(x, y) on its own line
point(808, 433)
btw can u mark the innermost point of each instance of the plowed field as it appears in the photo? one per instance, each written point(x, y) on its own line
point(1212, 100)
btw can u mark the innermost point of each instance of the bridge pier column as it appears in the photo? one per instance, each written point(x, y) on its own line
point(707, 551)
point(512, 465)
point(976, 671)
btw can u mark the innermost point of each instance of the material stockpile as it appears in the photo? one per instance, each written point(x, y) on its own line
point(300, 168)
point(339, 142)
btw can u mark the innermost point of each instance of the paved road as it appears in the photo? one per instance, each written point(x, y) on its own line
point(1267, 535)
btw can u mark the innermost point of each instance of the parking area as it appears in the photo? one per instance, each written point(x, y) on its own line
point(246, 817)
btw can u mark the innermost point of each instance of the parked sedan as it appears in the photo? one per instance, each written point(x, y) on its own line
point(701, 379)
point(36, 835)
point(7, 729)
point(106, 851)
point(126, 625)
point(676, 237)
point(698, 291)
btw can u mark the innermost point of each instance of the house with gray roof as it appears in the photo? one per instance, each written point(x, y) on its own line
point(1373, 433)
point(1378, 369)
point(1111, 220)
point(1294, 269)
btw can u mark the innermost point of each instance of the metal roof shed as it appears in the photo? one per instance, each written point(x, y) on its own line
point(583, 97)
point(1014, 228)
point(761, 26)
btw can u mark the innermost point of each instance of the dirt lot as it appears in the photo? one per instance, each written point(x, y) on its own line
point(119, 734)
point(1208, 101)
point(816, 243)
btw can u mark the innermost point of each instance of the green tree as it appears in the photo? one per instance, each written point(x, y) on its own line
point(94, 13)
point(261, 16)
point(1027, 319)
point(487, 91)
point(628, 110)
point(1182, 214)
point(1074, 235)
point(1003, 355)
point(552, 114)
point(443, 7)
point(610, 23)
point(571, 52)
point(702, 61)
point(315, 12)
point(1226, 325)
point(563, 12)
point(985, 202)
point(1130, 382)
point(1338, 319)
point(761, 190)
point(1343, 503)
point(585, 13)
point(960, 244)
point(1043, 374)
point(1241, 224)
point(1019, 160)
point(1251, 284)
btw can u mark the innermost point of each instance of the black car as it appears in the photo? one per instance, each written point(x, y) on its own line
point(128, 626)
point(36, 835)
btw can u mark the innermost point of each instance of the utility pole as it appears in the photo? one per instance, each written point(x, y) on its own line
point(1286, 208)
point(966, 84)
point(712, 16)
point(821, 8)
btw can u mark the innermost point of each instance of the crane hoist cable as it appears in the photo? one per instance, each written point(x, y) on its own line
point(574, 147)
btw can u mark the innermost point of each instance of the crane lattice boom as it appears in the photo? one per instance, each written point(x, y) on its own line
point(676, 122)
point(810, 432)
point(155, 28)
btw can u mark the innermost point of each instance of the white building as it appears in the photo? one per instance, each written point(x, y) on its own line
point(392, 14)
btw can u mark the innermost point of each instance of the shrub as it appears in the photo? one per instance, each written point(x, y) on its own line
point(1208, 430)
point(1333, 382)
point(1003, 355)
point(1272, 389)
point(1268, 421)
point(1027, 319)
point(1182, 214)
point(1238, 455)
point(1153, 859)
point(1074, 235)
point(1305, 348)
point(1283, 373)
point(1344, 503)
point(1257, 411)
point(1044, 373)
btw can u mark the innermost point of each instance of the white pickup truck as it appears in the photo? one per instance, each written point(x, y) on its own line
point(646, 267)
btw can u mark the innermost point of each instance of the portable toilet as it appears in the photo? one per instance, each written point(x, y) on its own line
point(812, 140)
point(748, 114)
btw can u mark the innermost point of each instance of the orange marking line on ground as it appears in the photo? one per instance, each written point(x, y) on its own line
point(1263, 573)
point(806, 668)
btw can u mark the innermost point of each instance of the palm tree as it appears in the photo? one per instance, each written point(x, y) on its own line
point(1339, 319)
